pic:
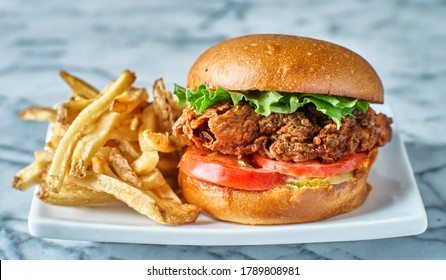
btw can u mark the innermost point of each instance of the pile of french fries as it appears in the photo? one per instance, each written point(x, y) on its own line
point(110, 145)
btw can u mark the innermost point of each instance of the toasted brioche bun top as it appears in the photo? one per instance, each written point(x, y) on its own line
point(286, 63)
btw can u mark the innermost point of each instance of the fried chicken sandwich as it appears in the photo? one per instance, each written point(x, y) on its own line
point(279, 130)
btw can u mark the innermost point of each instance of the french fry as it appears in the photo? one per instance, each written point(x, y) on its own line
point(30, 175)
point(124, 132)
point(135, 122)
point(58, 129)
point(148, 119)
point(36, 113)
point(68, 111)
point(43, 156)
point(165, 192)
point(104, 152)
point(90, 114)
point(154, 179)
point(145, 163)
point(129, 149)
point(79, 87)
point(66, 115)
point(78, 105)
point(148, 124)
point(162, 211)
point(57, 132)
point(122, 168)
point(155, 183)
point(161, 106)
point(162, 142)
point(100, 162)
point(91, 143)
point(162, 100)
point(129, 100)
point(101, 166)
point(73, 195)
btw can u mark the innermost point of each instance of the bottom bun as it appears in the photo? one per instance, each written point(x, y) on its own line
point(280, 205)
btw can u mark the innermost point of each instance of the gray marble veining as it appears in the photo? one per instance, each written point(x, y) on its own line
point(403, 40)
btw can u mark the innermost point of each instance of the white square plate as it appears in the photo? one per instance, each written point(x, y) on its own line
point(394, 208)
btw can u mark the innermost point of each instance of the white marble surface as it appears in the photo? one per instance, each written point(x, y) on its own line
point(404, 40)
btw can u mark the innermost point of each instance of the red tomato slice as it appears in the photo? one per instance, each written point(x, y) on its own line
point(312, 168)
point(226, 170)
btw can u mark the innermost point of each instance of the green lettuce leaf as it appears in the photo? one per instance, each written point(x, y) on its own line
point(202, 98)
point(267, 102)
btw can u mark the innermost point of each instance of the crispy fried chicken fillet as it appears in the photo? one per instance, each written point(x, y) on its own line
point(304, 135)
